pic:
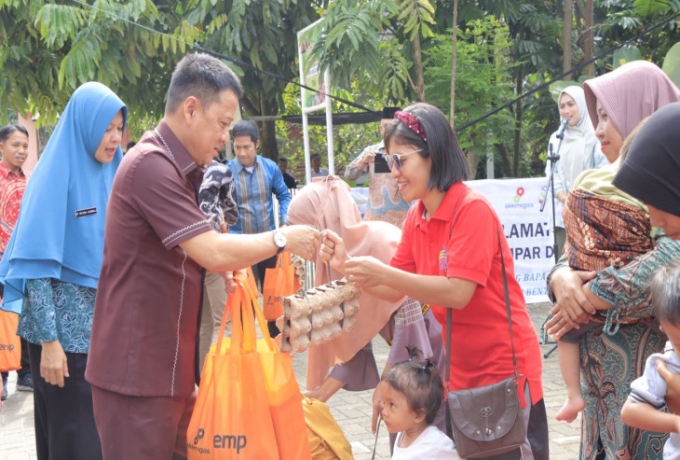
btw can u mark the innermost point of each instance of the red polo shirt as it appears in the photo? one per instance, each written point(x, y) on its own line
point(12, 188)
point(461, 241)
point(147, 308)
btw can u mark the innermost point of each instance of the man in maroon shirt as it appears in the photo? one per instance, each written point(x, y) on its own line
point(143, 355)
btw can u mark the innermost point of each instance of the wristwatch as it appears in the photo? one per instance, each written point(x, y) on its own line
point(279, 241)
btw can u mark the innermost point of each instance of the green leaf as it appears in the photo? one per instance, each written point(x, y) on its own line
point(671, 64)
point(626, 54)
point(557, 87)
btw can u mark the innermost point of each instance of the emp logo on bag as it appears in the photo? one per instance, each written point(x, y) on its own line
point(221, 441)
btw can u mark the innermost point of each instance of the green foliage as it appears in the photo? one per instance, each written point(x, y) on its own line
point(625, 54)
point(483, 79)
point(54, 46)
point(349, 139)
point(621, 20)
point(416, 15)
point(368, 40)
point(671, 64)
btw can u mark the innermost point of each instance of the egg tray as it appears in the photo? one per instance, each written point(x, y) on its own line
point(319, 315)
point(299, 266)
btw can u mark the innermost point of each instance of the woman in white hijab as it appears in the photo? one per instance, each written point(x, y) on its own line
point(579, 151)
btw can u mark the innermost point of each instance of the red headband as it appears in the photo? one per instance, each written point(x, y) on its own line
point(412, 122)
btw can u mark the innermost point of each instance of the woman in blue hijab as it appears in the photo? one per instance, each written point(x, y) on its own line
point(51, 266)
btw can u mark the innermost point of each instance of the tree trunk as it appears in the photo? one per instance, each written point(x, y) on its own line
point(566, 38)
point(268, 146)
point(505, 157)
point(473, 160)
point(454, 64)
point(418, 79)
point(578, 19)
point(519, 114)
point(267, 129)
point(588, 39)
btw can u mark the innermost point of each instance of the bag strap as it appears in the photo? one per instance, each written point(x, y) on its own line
point(449, 320)
point(377, 430)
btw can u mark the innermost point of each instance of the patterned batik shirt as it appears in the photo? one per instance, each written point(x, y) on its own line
point(12, 187)
point(57, 310)
point(216, 196)
point(385, 203)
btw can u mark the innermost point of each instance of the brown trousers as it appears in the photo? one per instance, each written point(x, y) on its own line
point(142, 428)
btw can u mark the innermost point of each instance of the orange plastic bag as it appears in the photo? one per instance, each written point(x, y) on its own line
point(248, 404)
point(10, 343)
point(279, 282)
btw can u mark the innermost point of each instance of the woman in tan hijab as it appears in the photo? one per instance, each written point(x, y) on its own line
point(347, 361)
point(613, 354)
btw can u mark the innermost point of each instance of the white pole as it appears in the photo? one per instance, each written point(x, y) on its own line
point(329, 125)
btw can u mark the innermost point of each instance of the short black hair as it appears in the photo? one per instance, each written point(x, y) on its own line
point(283, 160)
point(314, 155)
point(8, 130)
point(388, 112)
point(202, 76)
point(449, 165)
point(245, 128)
point(666, 294)
point(419, 382)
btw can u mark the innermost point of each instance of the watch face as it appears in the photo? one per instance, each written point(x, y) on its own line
point(279, 239)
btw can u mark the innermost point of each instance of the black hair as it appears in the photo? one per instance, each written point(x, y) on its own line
point(419, 382)
point(388, 112)
point(8, 130)
point(666, 294)
point(245, 128)
point(314, 155)
point(202, 76)
point(283, 159)
point(449, 164)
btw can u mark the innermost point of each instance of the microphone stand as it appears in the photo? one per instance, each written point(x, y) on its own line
point(553, 158)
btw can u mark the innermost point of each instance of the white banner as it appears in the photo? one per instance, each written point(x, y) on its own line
point(528, 230)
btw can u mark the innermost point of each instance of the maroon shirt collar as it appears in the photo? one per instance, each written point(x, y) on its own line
point(178, 152)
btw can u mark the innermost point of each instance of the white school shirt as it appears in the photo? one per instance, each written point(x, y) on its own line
point(651, 389)
point(432, 444)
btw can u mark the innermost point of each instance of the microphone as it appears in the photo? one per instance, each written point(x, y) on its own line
point(563, 126)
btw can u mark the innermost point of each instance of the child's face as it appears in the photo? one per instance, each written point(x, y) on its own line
point(673, 333)
point(396, 411)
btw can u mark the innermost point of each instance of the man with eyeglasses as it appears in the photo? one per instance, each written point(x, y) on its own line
point(385, 203)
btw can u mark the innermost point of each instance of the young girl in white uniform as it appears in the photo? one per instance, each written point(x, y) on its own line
point(411, 395)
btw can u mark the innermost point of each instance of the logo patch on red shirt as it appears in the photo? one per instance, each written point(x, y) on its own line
point(443, 259)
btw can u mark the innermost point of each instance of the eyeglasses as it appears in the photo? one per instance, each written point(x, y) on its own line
point(394, 160)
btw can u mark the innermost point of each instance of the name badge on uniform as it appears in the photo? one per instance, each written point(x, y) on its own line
point(86, 212)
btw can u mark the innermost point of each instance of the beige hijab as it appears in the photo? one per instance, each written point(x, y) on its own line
point(327, 203)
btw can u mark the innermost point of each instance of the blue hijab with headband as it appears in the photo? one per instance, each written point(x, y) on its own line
point(60, 230)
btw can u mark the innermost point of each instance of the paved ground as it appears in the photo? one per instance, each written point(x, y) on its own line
point(351, 410)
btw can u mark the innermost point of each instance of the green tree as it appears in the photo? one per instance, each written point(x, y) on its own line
point(620, 20)
point(484, 76)
point(261, 33)
point(380, 43)
point(50, 48)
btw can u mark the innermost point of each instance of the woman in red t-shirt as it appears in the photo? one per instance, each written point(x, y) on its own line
point(449, 257)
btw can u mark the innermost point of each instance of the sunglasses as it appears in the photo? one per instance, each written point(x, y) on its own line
point(394, 160)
